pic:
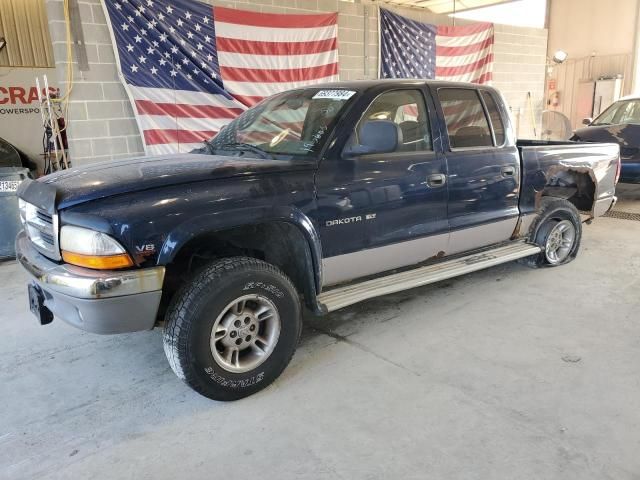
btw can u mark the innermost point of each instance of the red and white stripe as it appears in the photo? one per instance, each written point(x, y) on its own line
point(177, 121)
point(459, 114)
point(259, 54)
point(465, 53)
point(265, 53)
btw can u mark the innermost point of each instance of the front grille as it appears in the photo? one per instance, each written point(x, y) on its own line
point(42, 229)
point(44, 216)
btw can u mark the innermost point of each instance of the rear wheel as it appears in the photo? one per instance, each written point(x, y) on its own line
point(233, 328)
point(558, 230)
point(559, 242)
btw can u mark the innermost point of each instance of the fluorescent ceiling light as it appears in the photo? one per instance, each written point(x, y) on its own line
point(446, 6)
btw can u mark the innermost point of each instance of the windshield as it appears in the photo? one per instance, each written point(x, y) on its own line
point(291, 124)
point(626, 111)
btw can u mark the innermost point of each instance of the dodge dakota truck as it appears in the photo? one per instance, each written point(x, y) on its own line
point(318, 198)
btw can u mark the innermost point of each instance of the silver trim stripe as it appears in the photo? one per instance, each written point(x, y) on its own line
point(471, 238)
point(344, 296)
point(342, 268)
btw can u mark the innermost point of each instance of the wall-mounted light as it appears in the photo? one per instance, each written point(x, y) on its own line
point(559, 57)
point(3, 43)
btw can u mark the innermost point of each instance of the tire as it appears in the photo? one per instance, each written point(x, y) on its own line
point(226, 294)
point(555, 213)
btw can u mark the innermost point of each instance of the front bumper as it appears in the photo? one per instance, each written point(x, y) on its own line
point(94, 300)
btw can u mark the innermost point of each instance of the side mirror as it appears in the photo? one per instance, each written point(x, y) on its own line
point(376, 136)
point(587, 121)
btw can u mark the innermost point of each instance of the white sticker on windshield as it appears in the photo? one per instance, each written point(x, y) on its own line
point(334, 94)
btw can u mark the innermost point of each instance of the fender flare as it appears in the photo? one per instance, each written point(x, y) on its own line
point(181, 234)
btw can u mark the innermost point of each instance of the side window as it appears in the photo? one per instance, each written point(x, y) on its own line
point(466, 121)
point(631, 114)
point(611, 114)
point(494, 115)
point(406, 108)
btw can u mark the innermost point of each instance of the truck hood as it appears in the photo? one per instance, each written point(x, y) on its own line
point(105, 179)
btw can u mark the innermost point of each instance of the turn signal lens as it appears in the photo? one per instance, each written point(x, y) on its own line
point(106, 262)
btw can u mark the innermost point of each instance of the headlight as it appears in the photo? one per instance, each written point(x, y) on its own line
point(88, 248)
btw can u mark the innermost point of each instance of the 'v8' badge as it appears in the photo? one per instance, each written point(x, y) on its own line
point(146, 249)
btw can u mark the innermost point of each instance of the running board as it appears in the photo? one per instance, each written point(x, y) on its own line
point(348, 295)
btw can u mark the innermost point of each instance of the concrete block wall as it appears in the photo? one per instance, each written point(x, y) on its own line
point(101, 121)
point(102, 124)
point(519, 68)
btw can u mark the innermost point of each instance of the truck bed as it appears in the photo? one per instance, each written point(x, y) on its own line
point(584, 173)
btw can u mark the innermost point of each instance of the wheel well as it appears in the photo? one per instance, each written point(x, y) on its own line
point(575, 186)
point(279, 243)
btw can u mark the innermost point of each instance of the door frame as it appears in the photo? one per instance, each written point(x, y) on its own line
point(378, 258)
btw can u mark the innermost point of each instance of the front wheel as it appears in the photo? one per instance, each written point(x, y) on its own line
point(233, 328)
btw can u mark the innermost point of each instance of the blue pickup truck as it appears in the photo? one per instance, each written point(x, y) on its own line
point(319, 197)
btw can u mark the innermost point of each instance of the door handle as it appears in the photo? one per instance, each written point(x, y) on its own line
point(436, 180)
point(508, 171)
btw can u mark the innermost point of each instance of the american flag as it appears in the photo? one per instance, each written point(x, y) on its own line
point(190, 68)
point(412, 49)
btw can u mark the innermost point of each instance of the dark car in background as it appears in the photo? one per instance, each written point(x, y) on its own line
point(620, 123)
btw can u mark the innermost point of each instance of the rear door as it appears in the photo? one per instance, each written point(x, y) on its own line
point(394, 205)
point(484, 169)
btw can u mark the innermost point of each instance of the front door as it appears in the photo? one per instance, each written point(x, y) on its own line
point(484, 172)
point(390, 209)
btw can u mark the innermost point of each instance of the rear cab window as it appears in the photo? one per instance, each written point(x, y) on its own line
point(466, 119)
point(496, 119)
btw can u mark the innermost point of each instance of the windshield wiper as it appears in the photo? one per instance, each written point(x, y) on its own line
point(205, 149)
point(208, 146)
point(242, 147)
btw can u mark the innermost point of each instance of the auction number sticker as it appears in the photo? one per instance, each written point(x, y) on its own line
point(334, 94)
point(9, 185)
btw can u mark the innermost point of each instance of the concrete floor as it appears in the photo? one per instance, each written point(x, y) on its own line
point(507, 373)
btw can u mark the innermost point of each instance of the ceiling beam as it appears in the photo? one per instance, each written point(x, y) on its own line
point(446, 6)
